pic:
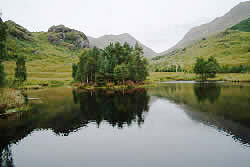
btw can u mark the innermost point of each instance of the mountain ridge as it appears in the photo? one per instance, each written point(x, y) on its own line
point(231, 48)
point(103, 41)
point(234, 16)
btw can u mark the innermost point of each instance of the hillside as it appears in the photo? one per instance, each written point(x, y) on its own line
point(50, 54)
point(243, 26)
point(105, 40)
point(234, 16)
point(46, 59)
point(230, 48)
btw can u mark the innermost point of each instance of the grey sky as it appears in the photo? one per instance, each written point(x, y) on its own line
point(157, 23)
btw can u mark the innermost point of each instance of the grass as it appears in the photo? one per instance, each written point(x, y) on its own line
point(181, 76)
point(10, 98)
point(51, 65)
point(229, 48)
point(46, 62)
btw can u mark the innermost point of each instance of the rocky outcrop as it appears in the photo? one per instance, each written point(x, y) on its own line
point(68, 37)
point(18, 31)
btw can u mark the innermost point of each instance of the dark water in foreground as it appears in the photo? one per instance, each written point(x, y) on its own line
point(175, 124)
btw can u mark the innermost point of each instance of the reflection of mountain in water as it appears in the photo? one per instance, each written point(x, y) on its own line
point(64, 113)
point(225, 107)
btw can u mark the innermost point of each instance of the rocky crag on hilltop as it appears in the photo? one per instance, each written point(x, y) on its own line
point(18, 31)
point(68, 37)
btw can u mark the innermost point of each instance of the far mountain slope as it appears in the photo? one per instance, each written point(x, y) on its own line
point(230, 48)
point(234, 16)
point(105, 40)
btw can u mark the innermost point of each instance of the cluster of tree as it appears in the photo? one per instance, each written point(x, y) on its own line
point(235, 69)
point(206, 69)
point(115, 63)
point(172, 68)
point(20, 71)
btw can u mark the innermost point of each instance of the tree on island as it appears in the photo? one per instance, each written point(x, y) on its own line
point(121, 72)
point(20, 71)
point(115, 63)
point(206, 69)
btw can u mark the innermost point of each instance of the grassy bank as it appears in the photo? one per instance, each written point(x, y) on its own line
point(11, 100)
point(172, 76)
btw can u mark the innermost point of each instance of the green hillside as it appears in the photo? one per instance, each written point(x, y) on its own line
point(242, 26)
point(231, 48)
point(45, 60)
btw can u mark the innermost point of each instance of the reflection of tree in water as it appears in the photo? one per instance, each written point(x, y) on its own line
point(207, 91)
point(6, 159)
point(116, 108)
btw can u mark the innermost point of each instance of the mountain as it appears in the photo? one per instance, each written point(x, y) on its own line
point(105, 40)
point(230, 48)
point(70, 37)
point(234, 16)
point(47, 58)
point(243, 26)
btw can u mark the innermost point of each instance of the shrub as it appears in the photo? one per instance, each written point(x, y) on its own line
point(20, 71)
point(206, 69)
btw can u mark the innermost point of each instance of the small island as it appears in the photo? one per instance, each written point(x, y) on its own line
point(114, 65)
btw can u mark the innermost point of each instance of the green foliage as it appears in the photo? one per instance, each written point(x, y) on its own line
point(74, 70)
point(20, 71)
point(212, 67)
point(116, 63)
point(3, 36)
point(3, 50)
point(171, 68)
point(121, 72)
point(243, 26)
point(235, 69)
point(206, 69)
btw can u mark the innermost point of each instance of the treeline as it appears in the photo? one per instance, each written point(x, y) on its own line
point(234, 69)
point(116, 63)
point(209, 68)
point(219, 69)
point(172, 68)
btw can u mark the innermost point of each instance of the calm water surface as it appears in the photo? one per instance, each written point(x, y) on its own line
point(175, 124)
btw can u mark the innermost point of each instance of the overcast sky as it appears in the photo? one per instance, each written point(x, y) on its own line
point(157, 23)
